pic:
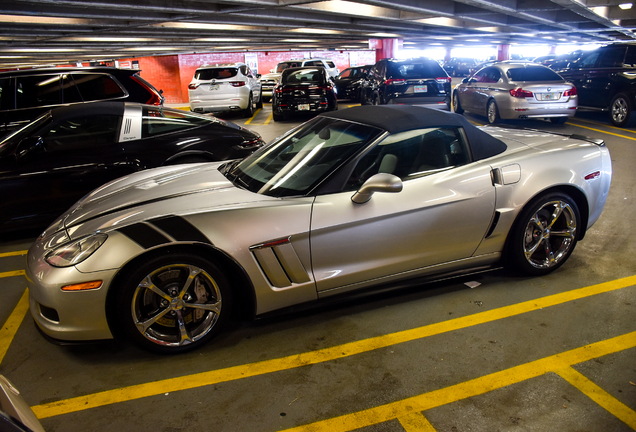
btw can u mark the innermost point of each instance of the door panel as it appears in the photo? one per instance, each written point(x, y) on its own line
point(435, 219)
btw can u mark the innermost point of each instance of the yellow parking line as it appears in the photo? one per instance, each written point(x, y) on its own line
point(252, 118)
point(604, 125)
point(602, 131)
point(416, 422)
point(12, 273)
point(314, 357)
point(476, 387)
point(14, 253)
point(10, 327)
point(598, 395)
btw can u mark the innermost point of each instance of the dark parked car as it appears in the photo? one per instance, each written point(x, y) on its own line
point(604, 79)
point(25, 94)
point(459, 66)
point(420, 81)
point(350, 80)
point(303, 89)
point(49, 164)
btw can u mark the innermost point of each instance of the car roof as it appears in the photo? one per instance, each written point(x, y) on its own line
point(91, 108)
point(402, 118)
point(43, 71)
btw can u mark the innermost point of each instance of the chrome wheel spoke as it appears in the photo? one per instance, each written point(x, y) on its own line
point(212, 307)
point(142, 326)
point(147, 284)
point(184, 335)
point(192, 273)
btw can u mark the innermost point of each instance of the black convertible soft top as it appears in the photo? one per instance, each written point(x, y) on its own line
point(401, 118)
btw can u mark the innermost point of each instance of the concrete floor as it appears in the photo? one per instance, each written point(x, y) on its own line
point(554, 353)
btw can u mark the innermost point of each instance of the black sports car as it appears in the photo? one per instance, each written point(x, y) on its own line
point(303, 90)
point(68, 151)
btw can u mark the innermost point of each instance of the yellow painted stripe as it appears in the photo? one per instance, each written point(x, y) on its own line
point(269, 118)
point(12, 273)
point(602, 131)
point(252, 118)
point(470, 388)
point(605, 125)
point(10, 327)
point(319, 356)
point(416, 422)
point(14, 253)
point(600, 396)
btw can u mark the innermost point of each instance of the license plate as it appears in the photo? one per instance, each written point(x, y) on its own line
point(214, 86)
point(303, 107)
point(549, 96)
point(420, 89)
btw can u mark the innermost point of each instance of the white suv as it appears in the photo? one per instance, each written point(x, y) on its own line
point(269, 80)
point(225, 87)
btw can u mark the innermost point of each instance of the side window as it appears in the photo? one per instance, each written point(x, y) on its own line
point(245, 71)
point(492, 75)
point(612, 57)
point(70, 93)
point(7, 98)
point(481, 75)
point(630, 58)
point(590, 60)
point(93, 87)
point(81, 132)
point(37, 90)
point(412, 154)
point(331, 64)
point(157, 122)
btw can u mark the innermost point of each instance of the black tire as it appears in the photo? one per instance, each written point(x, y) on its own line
point(544, 234)
point(456, 105)
point(173, 302)
point(620, 110)
point(249, 111)
point(558, 120)
point(278, 117)
point(259, 104)
point(492, 112)
point(376, 99)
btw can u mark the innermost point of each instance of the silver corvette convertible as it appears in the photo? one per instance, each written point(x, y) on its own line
point(350, 200)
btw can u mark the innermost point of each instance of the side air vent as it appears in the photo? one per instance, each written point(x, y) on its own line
point(280, 263)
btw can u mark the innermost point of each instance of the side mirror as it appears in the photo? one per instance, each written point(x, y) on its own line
point(377, 183)
point(258, 75)
point(29, 145)
point(465, 80)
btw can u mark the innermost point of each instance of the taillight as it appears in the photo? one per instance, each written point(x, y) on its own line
point(193, 86)
point(237, 83)
point(571, 92)
point(443, 80)
point(520, 93)
point(278, 90)
point(395, 81)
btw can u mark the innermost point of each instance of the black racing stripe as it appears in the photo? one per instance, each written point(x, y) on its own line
point(144, 235)
point(179, 229)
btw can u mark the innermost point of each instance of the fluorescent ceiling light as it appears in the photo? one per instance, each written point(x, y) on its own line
point(625, 6)
point(149, 48)
point(205, 26)
point(300, 40)
point(47, 50)
point(220, 40)
point(108, 39)
point(387, 35)
point(351, 8)
point(443, 22)
point(315, 30)
point(42, 20)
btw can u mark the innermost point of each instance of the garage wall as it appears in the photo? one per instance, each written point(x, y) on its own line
point(173, 73)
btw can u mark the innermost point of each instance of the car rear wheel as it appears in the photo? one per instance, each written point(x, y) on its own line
point(173, 302)
point(376, 99)
point(545, 234)
point(456, 105)
point(249, 111)
point(558, 120)
point(620, 110)
point(259, 104)
point(491, 112)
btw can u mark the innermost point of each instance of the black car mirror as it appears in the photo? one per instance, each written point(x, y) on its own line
point(377, 183)
point(465, 80)
point(258, 75)
point(30, 145)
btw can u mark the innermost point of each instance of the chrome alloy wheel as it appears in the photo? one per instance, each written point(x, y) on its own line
point(550, 234)
point(491, 111)
point(619, 110)
point(176, 305)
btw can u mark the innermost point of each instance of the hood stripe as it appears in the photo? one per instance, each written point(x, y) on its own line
point(144, 235)
point(147, 234)
point(179, 229)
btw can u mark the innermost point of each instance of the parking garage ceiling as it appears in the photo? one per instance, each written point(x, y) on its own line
point(38, 32)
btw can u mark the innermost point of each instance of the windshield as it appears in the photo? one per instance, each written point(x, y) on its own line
point(303, 76)
point(17, 135)
point(299, 161)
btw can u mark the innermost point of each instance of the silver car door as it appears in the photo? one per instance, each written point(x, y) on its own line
point(438, 217)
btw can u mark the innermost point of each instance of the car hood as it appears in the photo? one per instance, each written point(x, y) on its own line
point(197, 186)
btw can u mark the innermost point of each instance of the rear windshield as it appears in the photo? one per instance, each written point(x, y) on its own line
point(215, 73)
point(420, 69)
point(533, 73)
point(304, 76)
point(286, 65)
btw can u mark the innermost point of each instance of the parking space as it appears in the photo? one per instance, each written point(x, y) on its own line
point(493, 351)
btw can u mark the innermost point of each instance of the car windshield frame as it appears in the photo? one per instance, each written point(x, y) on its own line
point(296, 163)
point(19, 134)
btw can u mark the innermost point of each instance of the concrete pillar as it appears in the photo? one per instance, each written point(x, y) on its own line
point(503, 52)
point(385, 48)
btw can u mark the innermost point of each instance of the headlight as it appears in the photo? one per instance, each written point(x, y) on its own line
point(75, 252)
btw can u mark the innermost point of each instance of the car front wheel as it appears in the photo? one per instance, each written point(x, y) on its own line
point(545, 234)
point(173, 302)
point(620, 110)
point(249, 111)
point(456, 105)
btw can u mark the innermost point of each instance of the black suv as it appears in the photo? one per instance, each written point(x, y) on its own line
point(419, 81)
point(25, 94)
point(605, 80)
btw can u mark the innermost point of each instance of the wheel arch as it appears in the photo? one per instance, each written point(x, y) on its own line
point(243, 294)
